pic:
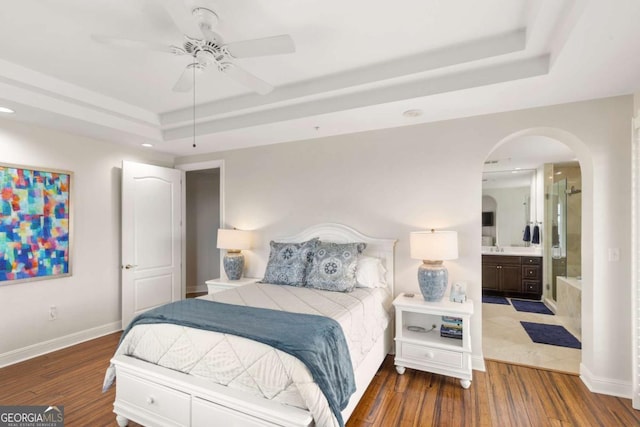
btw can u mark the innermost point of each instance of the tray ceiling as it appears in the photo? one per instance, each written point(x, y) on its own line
point(358, 66)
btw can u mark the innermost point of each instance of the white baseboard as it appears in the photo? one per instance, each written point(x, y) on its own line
point(605, 385)
point(551, 304)
point(29, 352)
point(477, 363)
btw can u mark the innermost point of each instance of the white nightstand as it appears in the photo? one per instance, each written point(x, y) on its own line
point(220, 284)
point(425, 349)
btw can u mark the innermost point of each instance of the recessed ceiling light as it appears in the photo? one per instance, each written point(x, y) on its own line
point(6, 110)
point(146, 144)
point(412, 113)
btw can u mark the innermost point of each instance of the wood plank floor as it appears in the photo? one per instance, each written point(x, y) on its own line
point(504, 395)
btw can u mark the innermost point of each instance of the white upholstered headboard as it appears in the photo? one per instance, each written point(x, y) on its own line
point(338, 233)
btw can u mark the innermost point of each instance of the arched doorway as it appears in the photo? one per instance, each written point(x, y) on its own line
point(536, 208)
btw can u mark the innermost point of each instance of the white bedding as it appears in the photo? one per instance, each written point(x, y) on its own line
point(255, 367)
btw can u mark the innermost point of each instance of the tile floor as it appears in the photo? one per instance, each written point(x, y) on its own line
point(504, 339)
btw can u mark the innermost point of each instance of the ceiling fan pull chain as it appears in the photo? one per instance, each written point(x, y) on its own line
point(194, 107)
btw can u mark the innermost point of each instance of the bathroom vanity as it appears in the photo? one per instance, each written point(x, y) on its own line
point(511, 274)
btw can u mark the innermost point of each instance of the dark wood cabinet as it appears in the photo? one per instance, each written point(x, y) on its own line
point(513, 276)
point(532, 287)
point(490, 277)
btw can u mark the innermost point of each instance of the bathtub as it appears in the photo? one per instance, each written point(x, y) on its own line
point(569, 302)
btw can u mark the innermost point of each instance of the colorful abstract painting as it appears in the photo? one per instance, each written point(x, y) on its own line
point(34, 224)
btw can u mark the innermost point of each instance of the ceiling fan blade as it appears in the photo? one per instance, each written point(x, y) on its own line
point(134, 44)
point(247, 79)
point(259, 47)
point(185, 82)
point(182, 18)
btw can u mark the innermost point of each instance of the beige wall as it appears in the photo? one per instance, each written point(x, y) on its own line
point(391, 182)
point(384, 183)
point(88, 302)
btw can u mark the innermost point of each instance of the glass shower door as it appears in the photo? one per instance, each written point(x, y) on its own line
point(558, 215)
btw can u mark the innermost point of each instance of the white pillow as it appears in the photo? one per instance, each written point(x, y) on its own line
point(370, 273)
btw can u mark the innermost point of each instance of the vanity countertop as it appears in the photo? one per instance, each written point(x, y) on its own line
point(512, 250)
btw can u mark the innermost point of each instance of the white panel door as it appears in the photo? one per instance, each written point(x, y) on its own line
point(151, 238)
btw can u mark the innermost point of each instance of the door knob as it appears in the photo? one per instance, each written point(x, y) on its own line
point(129, 266)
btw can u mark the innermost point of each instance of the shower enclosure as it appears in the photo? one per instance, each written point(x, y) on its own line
point(563, 225)
point(557, 242)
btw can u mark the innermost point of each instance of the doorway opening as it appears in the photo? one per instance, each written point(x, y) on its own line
point(203, 213)
point(532, 180)
point(202, 220)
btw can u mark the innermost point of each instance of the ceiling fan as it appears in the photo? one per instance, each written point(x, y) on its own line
point(208, 49)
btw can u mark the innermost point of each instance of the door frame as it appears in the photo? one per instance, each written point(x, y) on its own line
point(184, 168)
point(635, 257)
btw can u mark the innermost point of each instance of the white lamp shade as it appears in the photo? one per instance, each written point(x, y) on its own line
point(234, 239)
point(434, 245)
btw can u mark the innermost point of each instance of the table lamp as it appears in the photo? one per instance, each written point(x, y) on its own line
point(433, 247)
point(233, 241)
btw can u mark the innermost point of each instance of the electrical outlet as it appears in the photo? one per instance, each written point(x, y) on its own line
point(53, 312)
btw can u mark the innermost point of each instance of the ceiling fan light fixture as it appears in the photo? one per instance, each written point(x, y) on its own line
point(204, 59)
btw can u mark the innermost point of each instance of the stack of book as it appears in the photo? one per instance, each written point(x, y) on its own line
point(451, 327)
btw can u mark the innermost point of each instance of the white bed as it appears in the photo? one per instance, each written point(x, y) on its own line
point(153, 395)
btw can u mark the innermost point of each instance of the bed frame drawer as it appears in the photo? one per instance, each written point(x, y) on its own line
point(205, 414)
point(168, 406)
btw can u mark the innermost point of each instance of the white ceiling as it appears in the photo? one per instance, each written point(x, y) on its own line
point(358, 65)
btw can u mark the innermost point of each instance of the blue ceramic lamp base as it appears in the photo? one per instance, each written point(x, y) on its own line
point(433, 279)
point(233, 263)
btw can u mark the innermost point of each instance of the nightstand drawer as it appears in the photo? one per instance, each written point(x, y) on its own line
point(426, 354)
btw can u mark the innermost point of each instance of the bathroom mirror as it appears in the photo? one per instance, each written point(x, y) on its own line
point(507, 193)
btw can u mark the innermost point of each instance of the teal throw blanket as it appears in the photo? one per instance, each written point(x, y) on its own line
point(317, 341)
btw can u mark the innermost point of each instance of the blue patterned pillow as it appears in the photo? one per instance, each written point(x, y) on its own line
point(334, 266)
point(289, 262)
